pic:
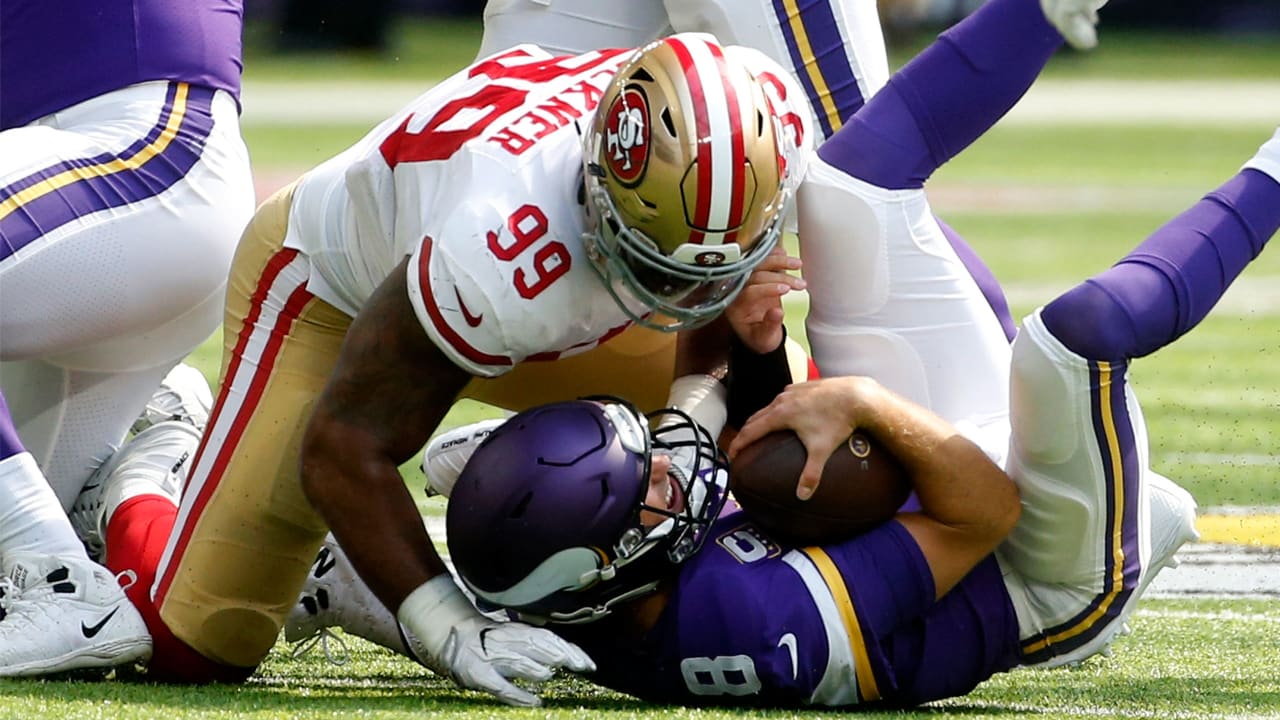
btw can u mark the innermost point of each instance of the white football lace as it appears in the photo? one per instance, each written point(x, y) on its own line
point(8, 593)
point(323, 637)
point(129, 575)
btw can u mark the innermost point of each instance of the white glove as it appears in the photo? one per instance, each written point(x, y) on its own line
point(449, 636)
point(1077, 20)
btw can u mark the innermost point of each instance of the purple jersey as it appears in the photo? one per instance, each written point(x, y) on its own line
point(753, 622)
point(56, 53)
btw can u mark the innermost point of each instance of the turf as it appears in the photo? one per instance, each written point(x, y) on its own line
point(1185, 659)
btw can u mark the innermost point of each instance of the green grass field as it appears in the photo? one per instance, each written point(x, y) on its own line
point(1046, 204)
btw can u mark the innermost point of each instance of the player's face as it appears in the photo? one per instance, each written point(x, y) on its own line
point(663, 492)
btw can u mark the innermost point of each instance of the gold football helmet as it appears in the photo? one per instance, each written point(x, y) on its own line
point(686, 183)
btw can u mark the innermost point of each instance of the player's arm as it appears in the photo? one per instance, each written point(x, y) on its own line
point(968, 504)
point(390, 389)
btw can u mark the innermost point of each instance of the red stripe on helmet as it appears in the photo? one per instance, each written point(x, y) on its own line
point(739, 144)
point(702, 207)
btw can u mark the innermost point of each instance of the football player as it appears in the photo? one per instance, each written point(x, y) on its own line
point(124, 185)
point(532, 227)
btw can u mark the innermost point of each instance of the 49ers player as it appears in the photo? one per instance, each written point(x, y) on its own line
point(533, 227)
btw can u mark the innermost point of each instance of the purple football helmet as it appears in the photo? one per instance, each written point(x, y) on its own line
point(545, 521)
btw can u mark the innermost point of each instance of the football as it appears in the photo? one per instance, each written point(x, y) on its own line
point(862, 486)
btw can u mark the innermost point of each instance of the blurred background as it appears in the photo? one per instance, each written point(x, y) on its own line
point(369, 25)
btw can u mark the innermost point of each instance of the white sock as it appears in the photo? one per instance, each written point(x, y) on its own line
point(1267, 159)
point(31, 518)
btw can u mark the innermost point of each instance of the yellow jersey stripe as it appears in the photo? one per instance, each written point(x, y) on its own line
point(110, 167)
point(867, 688)
point(811, 68)
point(1116, 582)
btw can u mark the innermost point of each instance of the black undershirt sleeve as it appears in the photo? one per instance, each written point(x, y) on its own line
point(755, 379)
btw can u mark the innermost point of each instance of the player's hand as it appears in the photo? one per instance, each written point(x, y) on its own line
point(822, 413)
point(486, 655)
point(756, 314)
point(449, 636)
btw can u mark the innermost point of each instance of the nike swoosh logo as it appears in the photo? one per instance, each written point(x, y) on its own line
point(789, 642)
point(472, 320)
point(483, 632)
point(91, 630)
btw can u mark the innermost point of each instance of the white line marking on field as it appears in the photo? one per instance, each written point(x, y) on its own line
point(1223, 616)
point(1059, 710)
point(1254, 296)
point(1050, 102)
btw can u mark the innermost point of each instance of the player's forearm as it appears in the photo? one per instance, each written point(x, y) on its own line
point(364, 500)
point(957, 484)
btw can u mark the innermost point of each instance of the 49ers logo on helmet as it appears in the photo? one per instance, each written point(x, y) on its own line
point(626, 136)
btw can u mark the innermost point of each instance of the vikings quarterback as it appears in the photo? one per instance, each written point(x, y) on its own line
point(124, 185)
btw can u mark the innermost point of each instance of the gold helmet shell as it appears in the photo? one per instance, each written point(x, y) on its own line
point(686, 182)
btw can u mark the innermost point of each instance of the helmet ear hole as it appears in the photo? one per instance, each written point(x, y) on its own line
point(668, 122)
point(759, 124)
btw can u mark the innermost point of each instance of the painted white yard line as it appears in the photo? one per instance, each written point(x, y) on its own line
point(1057, 711)
point(1212, 616)
point(1249, 296)
point(1050, 102)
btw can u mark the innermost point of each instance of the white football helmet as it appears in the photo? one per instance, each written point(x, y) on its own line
point(687, 181)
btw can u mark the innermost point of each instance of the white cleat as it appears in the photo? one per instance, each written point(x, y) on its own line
point(153, 462)
point(183, 395)
point(334, 596)
point(1173, 524)
point(64, 614)
point(448, 452)
point(1077, 20)
point(1267, 159)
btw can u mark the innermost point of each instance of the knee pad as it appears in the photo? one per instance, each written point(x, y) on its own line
point(877, 353)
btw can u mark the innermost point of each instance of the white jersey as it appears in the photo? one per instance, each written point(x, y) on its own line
point(478, 181)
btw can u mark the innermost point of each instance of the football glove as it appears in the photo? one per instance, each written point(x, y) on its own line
point(449, 636)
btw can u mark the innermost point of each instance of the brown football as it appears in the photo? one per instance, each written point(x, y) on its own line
point(862, 486)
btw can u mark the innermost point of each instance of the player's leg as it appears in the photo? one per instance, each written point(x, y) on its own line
point(59, 610)
point(1079, 451)
point(245, 536)
point(116, 238)
point(75, 419)
point(834, 48)
point(889, 295)
point(571, 27)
